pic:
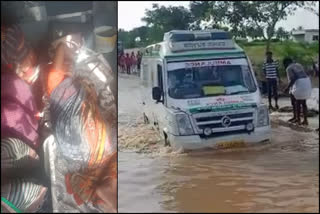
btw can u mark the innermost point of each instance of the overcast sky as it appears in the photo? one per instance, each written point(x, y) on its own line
point(130, 14)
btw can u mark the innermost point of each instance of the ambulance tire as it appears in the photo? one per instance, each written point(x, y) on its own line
point(145, 119)
point(166, 140)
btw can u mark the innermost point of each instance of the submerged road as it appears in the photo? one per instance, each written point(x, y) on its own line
point(282, 177)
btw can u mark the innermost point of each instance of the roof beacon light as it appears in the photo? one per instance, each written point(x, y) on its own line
point(198, 40)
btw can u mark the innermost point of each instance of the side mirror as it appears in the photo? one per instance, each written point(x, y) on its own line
point(156, 93)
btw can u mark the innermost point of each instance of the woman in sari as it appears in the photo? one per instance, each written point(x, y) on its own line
point(86, 150)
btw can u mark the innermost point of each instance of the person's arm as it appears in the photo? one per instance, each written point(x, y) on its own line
point(56, 73)
point(59, 57)
point(278, 73)
point(107, 188)
point(292, 80)
point(108, 194)
point(264, 69)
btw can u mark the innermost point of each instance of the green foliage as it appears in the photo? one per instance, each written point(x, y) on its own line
point(254, 32)
point(310, 6)
point(159, 20)
point(168, 18)
point(303, 53)
point(243, 16)
point(282, 34)
point(144, 33)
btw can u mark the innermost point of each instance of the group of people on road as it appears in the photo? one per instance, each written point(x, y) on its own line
point(129, 64)
point(299, 86)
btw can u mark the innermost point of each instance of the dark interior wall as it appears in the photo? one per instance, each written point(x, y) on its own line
point(62, 7)
point(33, 18)
point(105, 13)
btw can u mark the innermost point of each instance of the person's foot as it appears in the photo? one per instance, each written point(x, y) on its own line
point(298, 122)
point(292, 120)
point(271, 107)
point(305, 123)
point(277, 107)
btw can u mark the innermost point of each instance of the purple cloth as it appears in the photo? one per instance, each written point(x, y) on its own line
point(18, 110)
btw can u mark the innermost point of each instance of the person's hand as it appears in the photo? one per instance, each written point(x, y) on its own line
point(107, 191)
point(107, 187)
point(286, 90)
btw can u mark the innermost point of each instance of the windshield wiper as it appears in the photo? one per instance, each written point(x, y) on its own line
point(214, 95)
point(238, 92)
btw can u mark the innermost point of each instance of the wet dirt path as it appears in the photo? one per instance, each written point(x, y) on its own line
point(280, 177)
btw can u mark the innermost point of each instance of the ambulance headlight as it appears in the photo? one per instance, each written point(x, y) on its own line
point(262, 116)
point(184, 124)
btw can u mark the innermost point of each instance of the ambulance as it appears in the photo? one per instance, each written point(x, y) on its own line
point(198, 90)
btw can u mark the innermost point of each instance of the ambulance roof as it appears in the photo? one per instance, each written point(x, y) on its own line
point(195, 44)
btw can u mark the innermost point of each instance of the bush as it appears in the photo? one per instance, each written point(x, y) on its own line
point(300, 52)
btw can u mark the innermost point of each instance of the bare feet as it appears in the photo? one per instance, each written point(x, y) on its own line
point(298, 122)
point(292, 120)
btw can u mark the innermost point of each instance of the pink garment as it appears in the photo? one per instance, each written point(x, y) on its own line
point(127, 61)
point(133, 60)
point(18, 110)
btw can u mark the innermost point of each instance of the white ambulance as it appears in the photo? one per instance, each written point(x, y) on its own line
point(199, 91)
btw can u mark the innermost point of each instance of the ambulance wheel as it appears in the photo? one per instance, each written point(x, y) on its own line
point(145, 119)
point(166, 140)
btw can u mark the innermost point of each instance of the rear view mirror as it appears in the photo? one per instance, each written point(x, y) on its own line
point(156, 94)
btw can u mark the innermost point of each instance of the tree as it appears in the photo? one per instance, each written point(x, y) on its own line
point(310, 6)
point(282, 34)
point(163, 19)
point(254, 32)
point(129, 38)
point(241, 14)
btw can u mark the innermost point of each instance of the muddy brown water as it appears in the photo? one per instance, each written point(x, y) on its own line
point(280, 177)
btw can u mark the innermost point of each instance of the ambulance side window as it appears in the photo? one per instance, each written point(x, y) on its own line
point(160, 80)
point(145, 74)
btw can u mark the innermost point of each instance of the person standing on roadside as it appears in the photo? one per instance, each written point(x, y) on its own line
point(133, 61)
point(139, 57)
point(299, 89)
point(127, 61)
point(122, 64)
point(271, 72)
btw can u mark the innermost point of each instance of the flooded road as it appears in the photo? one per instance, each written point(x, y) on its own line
point(280, 177)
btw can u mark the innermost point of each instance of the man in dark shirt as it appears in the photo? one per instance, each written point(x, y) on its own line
point(299, 88)
point(271, 72)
